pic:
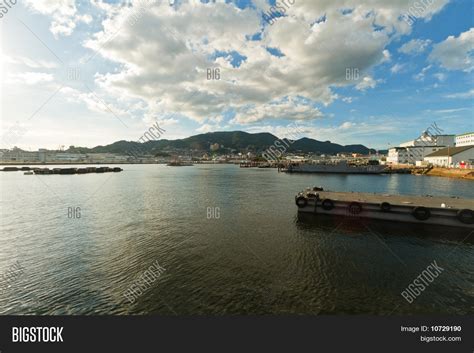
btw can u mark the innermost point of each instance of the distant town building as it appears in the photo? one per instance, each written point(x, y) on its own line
point(416, 150)
point(457, 157)
point(42, 155)
point(410, 155)
point(68, 157)
point(430, 140)
point(397, 155)
point(445, 140)
point(466, 139)
point(18, 155)
point(45, 156)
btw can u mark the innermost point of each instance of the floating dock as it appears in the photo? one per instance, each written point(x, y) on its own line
point(445, 211)
point(63, 171)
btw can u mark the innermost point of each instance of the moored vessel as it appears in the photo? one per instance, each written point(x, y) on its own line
point(179, 164)
point(341, 167)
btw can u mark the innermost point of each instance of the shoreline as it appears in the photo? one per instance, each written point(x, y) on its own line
point(452, 173)
point(464, 174)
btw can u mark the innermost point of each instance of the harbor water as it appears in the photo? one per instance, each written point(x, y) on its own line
point(228, 240)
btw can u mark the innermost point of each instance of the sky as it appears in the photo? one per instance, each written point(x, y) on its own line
point(374, 72)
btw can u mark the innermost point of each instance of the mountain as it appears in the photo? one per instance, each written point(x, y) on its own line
point(231, 140)
point(309, 145)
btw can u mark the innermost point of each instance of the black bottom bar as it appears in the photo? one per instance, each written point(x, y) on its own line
point(242, 334)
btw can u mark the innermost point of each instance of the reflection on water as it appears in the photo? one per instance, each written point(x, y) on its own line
point(350, 225)
point(258, 257)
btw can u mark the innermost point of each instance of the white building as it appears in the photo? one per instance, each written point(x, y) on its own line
point(466, 139)
point(416, 150)
point(67, 157)
point(18, 155)
point(452, 157)
point(397, 155)
point(431, 140)
point(410, 155)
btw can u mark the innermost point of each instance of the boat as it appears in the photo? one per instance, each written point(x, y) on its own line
point(429, 210)
point(179, 164)
point(71, 171)
point(340, 167)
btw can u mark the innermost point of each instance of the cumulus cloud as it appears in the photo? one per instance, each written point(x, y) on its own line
point(288, 109)
point(384, 13)
point(415, 46)
point(164, 52)
point(455, 53)
point(93, 101)
point(63, 13)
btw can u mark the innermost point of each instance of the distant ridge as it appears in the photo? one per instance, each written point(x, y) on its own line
point(231, 140)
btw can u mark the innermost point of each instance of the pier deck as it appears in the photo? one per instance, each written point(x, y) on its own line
point(435, 210)
point(402, 200)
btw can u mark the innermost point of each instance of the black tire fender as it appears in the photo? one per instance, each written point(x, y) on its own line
point(385, 207)
point(301, 201)
point(421, 213)
point(354, 208)
point(327, 204)
point(465, 216)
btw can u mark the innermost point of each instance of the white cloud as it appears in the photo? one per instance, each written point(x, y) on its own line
point(288, 109)
point(93, 101)
point(30, 78)
point(346, 125)
point(397, 68)
point(440, 76)
point(208, 128)
point(461, 95)
point(449, 111)
point(164, 55)
point(415, 46)
point(455, 53)
point(422, 74)
point(31, 63)
point(348, 100)
point(366, 83)
point(63, 13)
point(375, 131)
point(385, 13)
point(386, 56)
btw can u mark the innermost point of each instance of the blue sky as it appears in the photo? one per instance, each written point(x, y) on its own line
point(91, 73)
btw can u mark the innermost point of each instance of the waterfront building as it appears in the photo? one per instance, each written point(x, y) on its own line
point(106, 158)
point(466, 139)
point(410, 155)
point(431, 140)
point(18, 155)
point(416, 150)
point(397, 155)
point(67, 157)
point(42, 153)
point(452, 157)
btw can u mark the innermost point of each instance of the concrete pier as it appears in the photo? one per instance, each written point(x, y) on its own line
point(446, 211)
